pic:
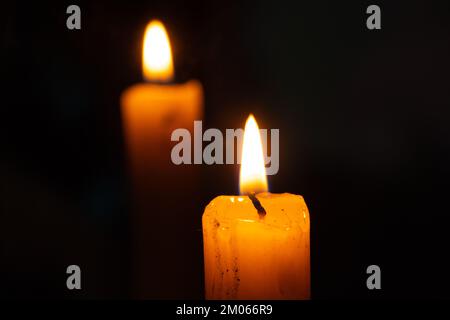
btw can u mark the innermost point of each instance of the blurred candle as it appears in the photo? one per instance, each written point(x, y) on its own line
point(150, 112)
point(256, 246)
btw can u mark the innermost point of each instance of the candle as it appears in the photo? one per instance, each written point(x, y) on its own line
point(256, 245)
point(151, 111)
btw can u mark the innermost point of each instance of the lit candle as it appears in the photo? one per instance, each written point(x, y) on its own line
point(151, 111)
point(256, 245)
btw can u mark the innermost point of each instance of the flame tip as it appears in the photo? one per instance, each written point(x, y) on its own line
point(252, 174)
point(156, 53)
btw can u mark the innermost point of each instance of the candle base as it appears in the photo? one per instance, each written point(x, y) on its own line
point(257, 258)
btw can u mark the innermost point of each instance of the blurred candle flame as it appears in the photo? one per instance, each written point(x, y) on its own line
point(157, 62)
point(252, 177)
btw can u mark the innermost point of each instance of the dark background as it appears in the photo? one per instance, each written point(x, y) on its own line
point(364, 133)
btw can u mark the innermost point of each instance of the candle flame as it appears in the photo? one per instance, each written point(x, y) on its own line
point(252, 177)
point(157, 62)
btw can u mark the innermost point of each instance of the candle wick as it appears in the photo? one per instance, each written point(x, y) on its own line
point(257, 205)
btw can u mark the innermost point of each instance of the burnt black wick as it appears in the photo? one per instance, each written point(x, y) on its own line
point(257, 205)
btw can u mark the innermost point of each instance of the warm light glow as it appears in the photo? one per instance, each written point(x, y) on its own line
point(253, 172)
point(156, 53)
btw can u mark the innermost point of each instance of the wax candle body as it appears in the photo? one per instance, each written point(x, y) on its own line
point(249, 256)
point(150, 113)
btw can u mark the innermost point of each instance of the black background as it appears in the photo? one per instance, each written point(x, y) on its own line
point(364, 135)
